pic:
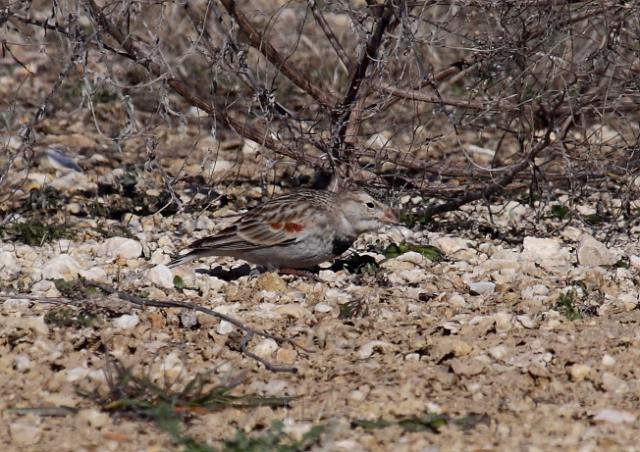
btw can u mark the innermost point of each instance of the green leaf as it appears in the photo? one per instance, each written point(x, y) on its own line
point(559, 211)
point(432, 253)
point(178, 283)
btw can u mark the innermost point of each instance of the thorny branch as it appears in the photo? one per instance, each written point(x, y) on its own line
point(488, 70)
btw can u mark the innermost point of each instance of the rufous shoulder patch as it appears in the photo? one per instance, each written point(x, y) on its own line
point(293, 227)
point(276, 226)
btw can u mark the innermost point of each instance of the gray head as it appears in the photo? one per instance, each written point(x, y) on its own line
point(363, 213)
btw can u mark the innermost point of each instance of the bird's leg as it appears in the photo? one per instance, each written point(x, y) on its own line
point(296, 272)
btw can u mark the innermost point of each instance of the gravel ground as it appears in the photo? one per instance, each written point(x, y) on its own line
point(508, 341)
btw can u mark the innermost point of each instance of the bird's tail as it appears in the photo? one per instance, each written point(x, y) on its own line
point(179, 260)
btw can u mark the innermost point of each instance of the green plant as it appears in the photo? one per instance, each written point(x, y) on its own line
point(69, 317)
point(274, 439)
point(566, 305)
point(427, 251)
point(427, 422)
point(35, 233)
point(138, 397)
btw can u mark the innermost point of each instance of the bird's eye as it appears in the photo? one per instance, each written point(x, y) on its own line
point(370, 205)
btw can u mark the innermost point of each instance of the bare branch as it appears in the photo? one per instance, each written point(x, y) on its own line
point(259, 42)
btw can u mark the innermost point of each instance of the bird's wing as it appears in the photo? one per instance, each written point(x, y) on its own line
point(276, 223)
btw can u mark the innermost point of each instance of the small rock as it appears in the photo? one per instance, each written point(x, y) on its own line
point(367, 349)
point(8, 264)
point(503, 321)
point(451, 245)
point(592, 253)
point(466, 368)
point(412, 357)
point(276, 387)
point(397, 266)
point(265, 348)
point(62, 266)
point(294, 310)
point(536, 370)
point(225, 327)
point(461, 348)
point(127, 321)
point(482, 288)
point(322, 308)
point(95, 418)
point(327, 275)
point(271, 282)
point(579, 372)
point(161, 276)
point(409, 276)
point(22, 363)
point(498, 352)
point(37, 324)
point(188, 318)
point(25, 431)
point(121, 247)
point(412, 257)
point(337, 296)
point(615, 416)
point(159, 257)
point(608, 360)
point(456, 299)
point(537, 292)
point(634, 261)
point(526, 321)
point(172, 367)
point(296, 430)
point(77, 373)
point(94, 274)
point(611, 383)
point(544, 250)
point(286, 356)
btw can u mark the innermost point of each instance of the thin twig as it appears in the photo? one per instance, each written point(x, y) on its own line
point(259, 42)
point(330, 35)
point(343, 110)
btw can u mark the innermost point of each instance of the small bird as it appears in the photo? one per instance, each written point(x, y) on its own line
point(295, 231)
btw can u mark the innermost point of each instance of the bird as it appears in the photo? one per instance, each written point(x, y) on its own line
point(298, 230)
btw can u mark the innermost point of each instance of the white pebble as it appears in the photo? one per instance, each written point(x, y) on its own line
point(367, 349)
point(608, 360)
point(62, 266)
point(161, 276)
point(482, 287)
point(8, 264)
point(127, 322)
point(265, 348)
point(579, 372)
point(615, 416)
point(94, 274)
point(22, 363)
point(121, 247)
point(498, 352)
point(322, 308)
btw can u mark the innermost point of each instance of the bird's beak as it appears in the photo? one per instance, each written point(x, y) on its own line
point(389, 217)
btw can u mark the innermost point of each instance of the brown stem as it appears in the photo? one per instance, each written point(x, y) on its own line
point(241, 126)
point(259, 42)
point(328, 32)
point(494, 188)
point(343, 110)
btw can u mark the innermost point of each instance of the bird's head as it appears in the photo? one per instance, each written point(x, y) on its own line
point(363, 213)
